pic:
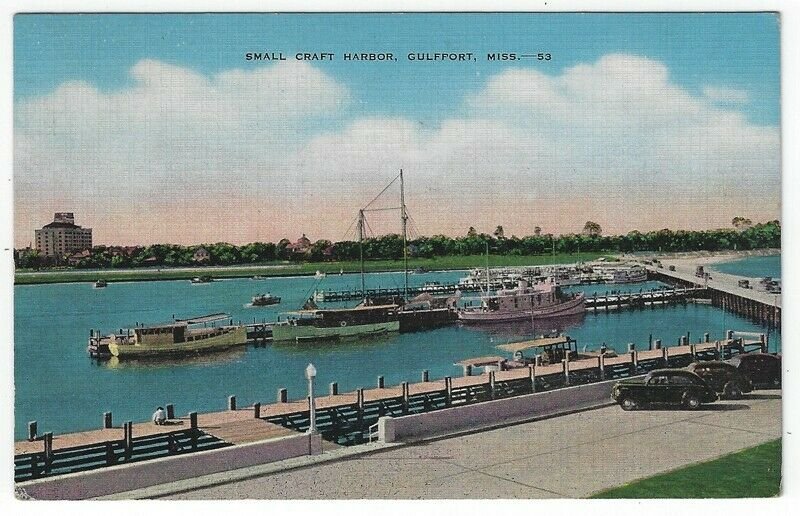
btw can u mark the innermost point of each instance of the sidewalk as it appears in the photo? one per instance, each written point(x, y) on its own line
point(569, 456)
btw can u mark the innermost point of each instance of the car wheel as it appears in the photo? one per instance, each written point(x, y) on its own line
point(732, 391)
point(628, 404)
point(691, 401)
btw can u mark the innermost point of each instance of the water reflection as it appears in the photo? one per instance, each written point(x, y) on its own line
point(528, 329)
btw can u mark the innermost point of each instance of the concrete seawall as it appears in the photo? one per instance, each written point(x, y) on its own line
point(493, 413)
point(128, 477)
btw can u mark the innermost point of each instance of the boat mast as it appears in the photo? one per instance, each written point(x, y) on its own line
point(404, 218)
point(488, 287)
point(361, 250)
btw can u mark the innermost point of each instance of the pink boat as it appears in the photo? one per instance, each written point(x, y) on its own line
point(524, 303)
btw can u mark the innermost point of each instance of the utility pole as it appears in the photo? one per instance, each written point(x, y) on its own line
point(361, 250)
point(404, 218)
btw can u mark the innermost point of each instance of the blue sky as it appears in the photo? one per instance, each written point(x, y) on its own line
point(736, 50)
point(632, 109)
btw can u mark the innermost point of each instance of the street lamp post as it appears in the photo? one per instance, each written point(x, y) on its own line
point(311, 373)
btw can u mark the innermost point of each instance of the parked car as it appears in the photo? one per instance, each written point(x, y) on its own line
point(762, 369)
point(664, 387)
point(724, 378)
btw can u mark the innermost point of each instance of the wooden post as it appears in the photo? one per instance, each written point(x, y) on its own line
point(404, 386)
point(110, 457)
point(706, 337)
point(32, 428)
point(448, 386)
point(333, 388)
point(491, 384)
point(282, 395)
point(360, 406)
point(532, 376)
point(257, 410)
point(729, 334)
point(128, 436)
point(658, 343)
point(601, 363)
point(380, 382)
point(693, 351)
point(467, 370)
point(425, 375)
point(763, 340)
point(107, 420)
point(48, 451)
point(634, 362)
point(665, 356)
point(231, 402)
point(565, 366)
point(170, 411)
point(193, 420)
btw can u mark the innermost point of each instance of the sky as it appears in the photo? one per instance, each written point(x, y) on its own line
point(155, 128)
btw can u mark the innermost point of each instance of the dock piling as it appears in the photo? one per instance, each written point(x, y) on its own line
point(48, 451)
point(32, 430)
point(128, 438)
point(425, 376)
point(282, 395)
point(448, 387)
point(231, 402)
point(333, 389)
point(706, 337)
point(257, 410)
point(492, 384)
point(565, 365)
point(193, 420)
point(404, 387)
point(658, 344)
point(532, 376)
point(380, 382)
point(601, 363)
point(170, 411)
point(107, 420)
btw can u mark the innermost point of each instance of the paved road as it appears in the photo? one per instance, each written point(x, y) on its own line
point(569, 456)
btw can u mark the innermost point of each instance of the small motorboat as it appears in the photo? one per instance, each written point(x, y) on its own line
point(101, 283)
point(202, 279)
point(265, 299)
point(319, 274)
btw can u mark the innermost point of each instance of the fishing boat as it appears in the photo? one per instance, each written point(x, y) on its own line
point(265, 300)
point(202, 279)
point(101, 283)
point(330, 324)
point(524, 302)
point(174, 338)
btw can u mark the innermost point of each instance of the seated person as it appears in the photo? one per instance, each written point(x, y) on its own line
point(159, 416)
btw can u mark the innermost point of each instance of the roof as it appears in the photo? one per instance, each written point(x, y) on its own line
point(481, 361)
point(61, 225)
point(341, 310)
point(536, 343)
point(204, 318)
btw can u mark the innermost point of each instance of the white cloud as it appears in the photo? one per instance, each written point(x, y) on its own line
point(725, 95)
point(615, 141)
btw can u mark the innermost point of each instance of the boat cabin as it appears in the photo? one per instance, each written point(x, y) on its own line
point(551, 349)
point(330, 318)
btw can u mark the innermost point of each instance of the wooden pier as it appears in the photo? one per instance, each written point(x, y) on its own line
point(342, 418)
point(724, 292)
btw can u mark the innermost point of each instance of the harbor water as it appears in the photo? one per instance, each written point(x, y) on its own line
point(60, 387)
point(752, 267)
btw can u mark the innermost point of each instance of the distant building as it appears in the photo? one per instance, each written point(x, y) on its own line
point(201, 255)
point(302, 246)
point(63, 237)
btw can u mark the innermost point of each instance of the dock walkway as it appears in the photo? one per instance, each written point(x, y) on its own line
point(342, 418)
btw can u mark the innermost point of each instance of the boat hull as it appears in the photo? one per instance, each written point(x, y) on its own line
point(300, 333)
point(235, 337)
point(571, 307)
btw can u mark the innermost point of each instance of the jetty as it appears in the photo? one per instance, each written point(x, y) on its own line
point(343, 418)
point(724, 291)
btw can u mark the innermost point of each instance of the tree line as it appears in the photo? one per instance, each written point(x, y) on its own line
point(744, 235)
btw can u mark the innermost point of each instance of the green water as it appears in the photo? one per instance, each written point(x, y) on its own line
point(752, 267)
point(59, 386)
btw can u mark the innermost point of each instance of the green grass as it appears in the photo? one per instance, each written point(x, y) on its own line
point(292, 269)
point(751, 473)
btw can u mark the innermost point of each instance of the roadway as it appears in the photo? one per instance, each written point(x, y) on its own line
point(571, 456)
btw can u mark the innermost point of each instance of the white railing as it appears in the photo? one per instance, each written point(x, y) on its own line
point(374, 436)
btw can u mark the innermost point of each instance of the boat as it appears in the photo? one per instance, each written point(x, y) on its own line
point(319, 274)
point(633, 274)
point(334, 323)
point(524, 303)
point(101, 283)
point(202, 279)
point(173, 338)
point(258, 278)
point(265, 300)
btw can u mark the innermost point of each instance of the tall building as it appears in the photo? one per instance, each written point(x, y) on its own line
point(62, 237)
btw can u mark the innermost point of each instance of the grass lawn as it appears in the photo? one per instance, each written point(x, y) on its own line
point(751, 473)
point(293, 269)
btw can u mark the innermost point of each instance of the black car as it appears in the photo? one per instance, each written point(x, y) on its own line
point(724, 378)
point(762, 369)
point(664, 387)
